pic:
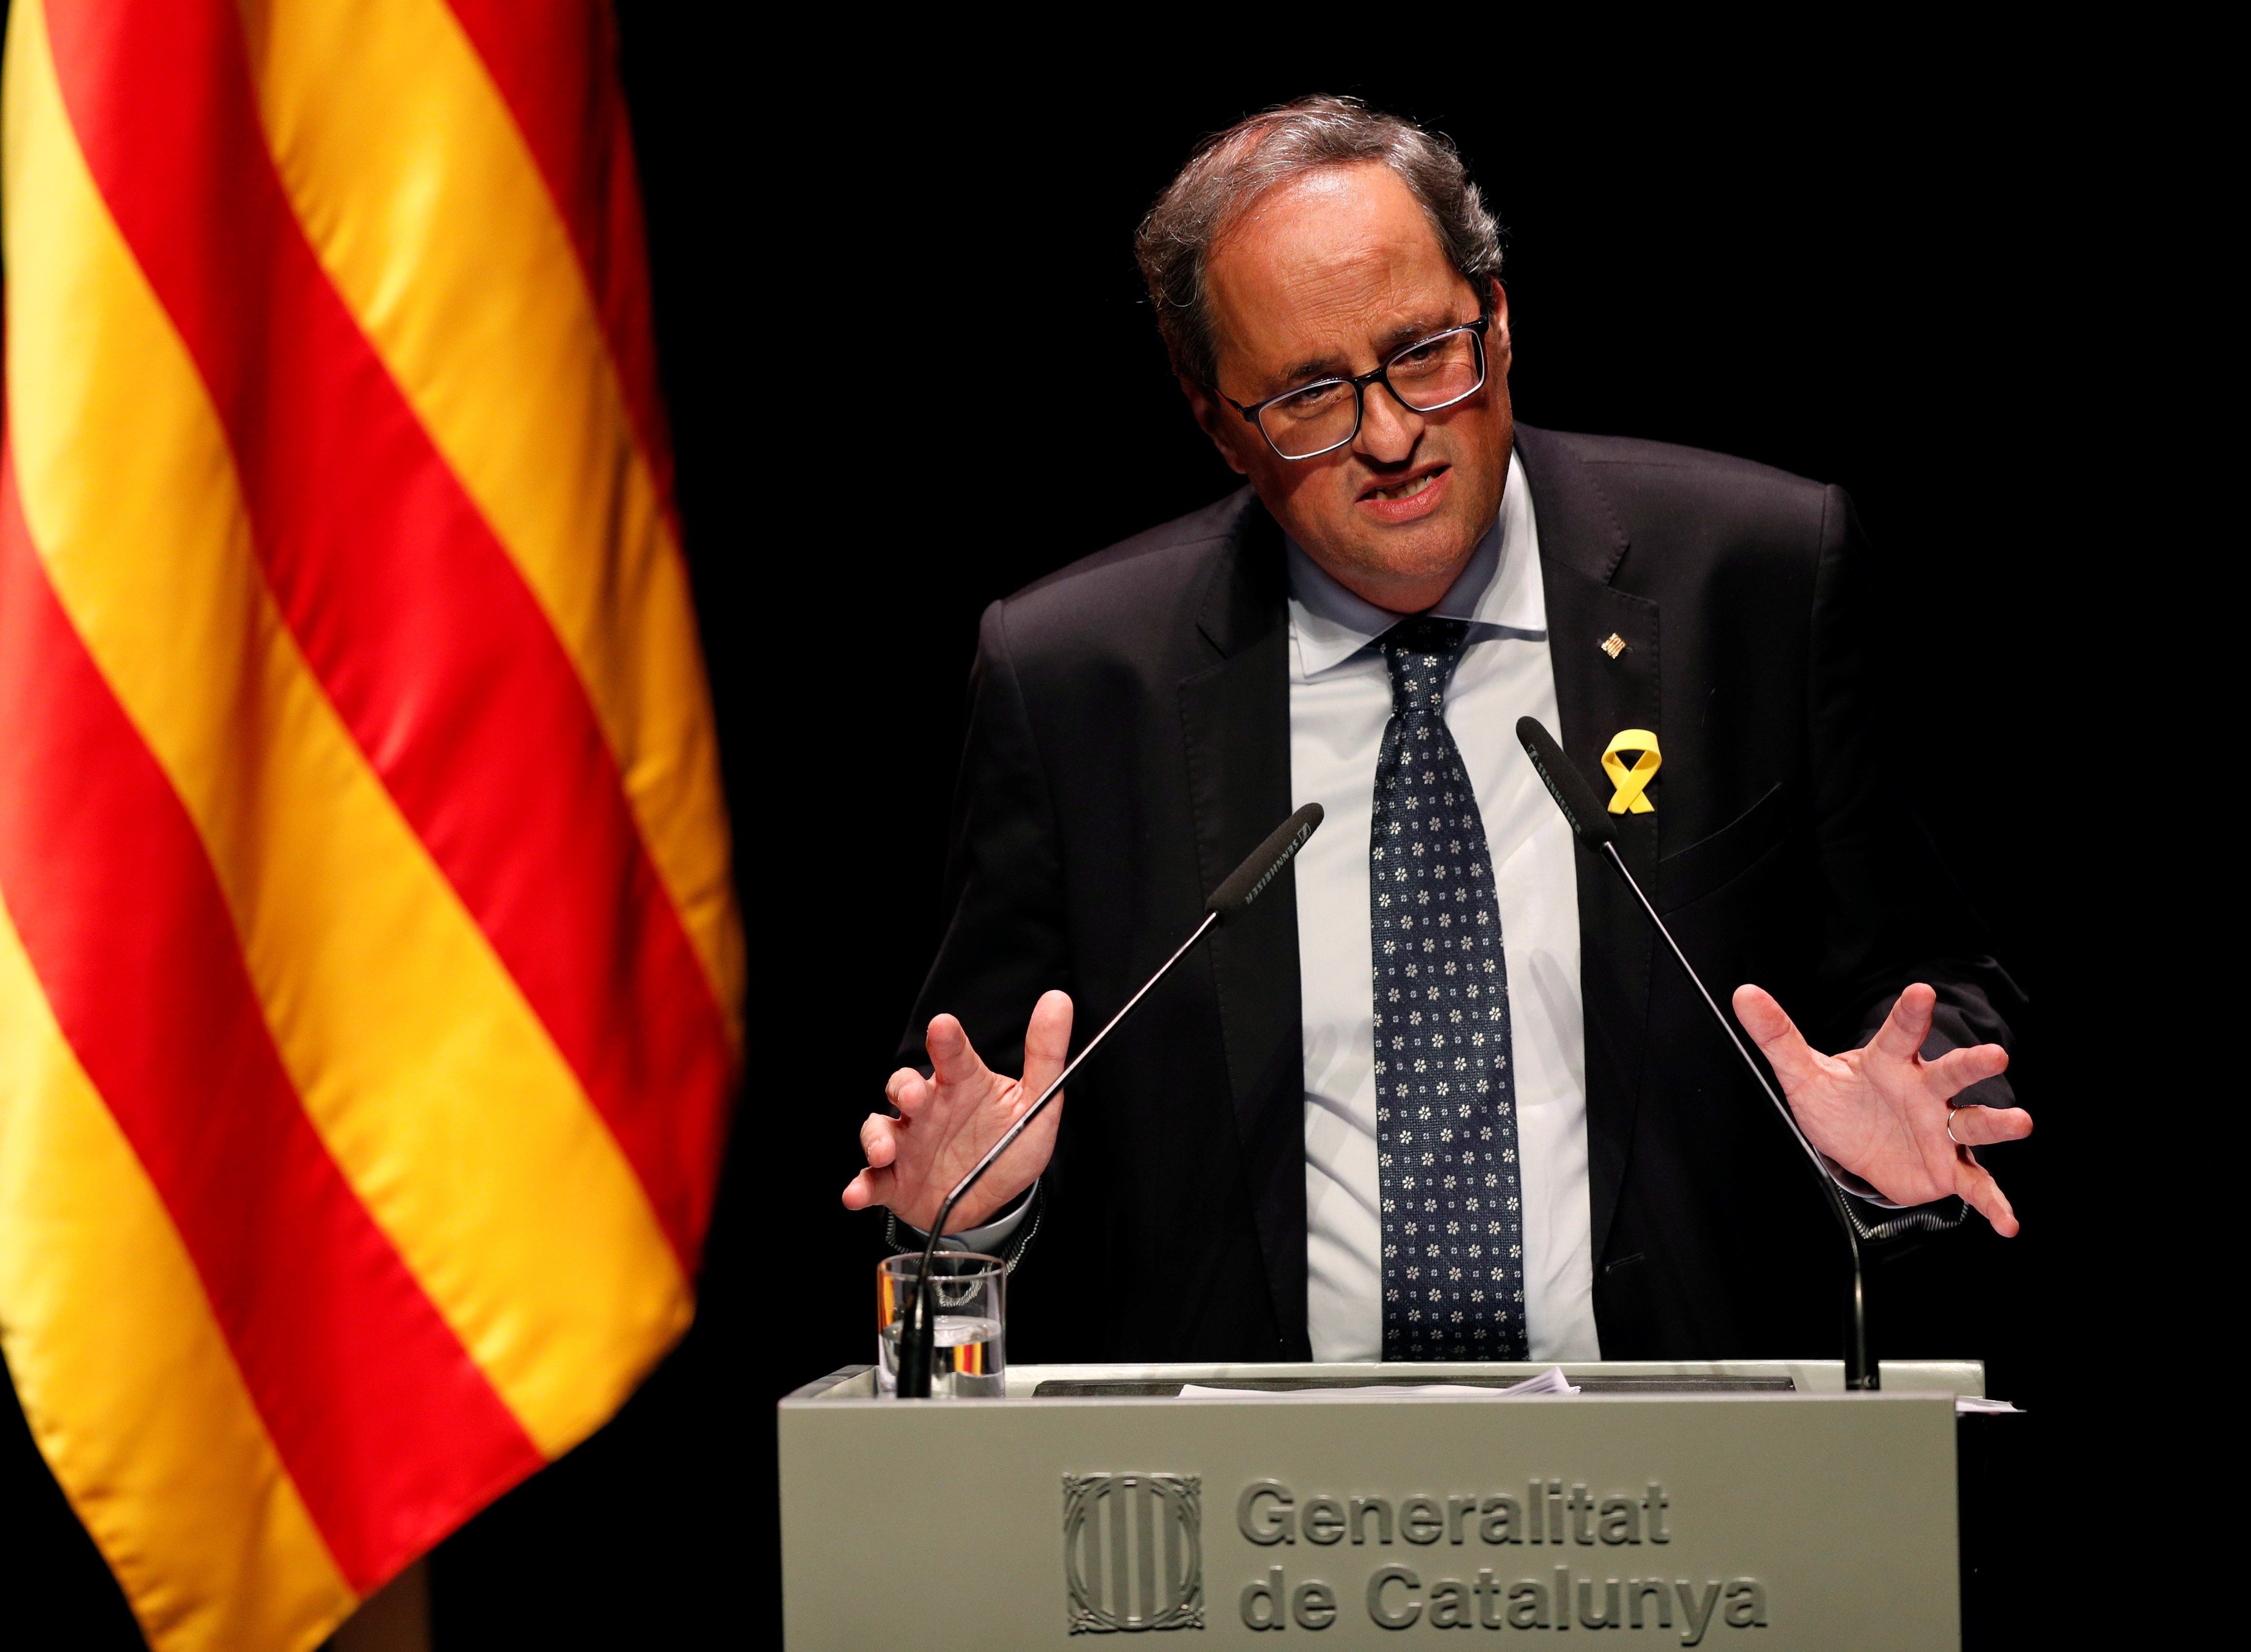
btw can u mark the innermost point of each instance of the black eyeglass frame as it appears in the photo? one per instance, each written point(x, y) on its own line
point(1382, 376)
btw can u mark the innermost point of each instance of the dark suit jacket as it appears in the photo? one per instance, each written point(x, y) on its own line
point(1129, 741)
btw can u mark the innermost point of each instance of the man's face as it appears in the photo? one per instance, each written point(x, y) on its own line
point(1329, 275)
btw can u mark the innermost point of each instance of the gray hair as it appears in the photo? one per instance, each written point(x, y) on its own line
point(1232, 169)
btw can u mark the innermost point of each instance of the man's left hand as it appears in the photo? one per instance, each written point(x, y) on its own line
point(1882, 1112)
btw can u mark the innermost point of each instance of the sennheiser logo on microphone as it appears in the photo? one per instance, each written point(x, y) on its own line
point(1287, 855)
point(1556, 792)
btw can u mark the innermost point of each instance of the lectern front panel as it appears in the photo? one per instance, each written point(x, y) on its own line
point(1757, 1517)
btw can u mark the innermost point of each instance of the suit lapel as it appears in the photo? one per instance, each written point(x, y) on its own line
point(1581, 546)
point(1235, 716)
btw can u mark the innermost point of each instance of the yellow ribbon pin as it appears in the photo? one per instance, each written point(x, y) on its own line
point(1630, 782)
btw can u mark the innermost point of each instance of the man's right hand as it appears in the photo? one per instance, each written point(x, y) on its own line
point(949, 1121)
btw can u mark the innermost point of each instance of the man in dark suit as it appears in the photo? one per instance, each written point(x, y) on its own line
point(1438, 1095)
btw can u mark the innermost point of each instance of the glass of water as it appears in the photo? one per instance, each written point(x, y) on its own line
point(965, 1304)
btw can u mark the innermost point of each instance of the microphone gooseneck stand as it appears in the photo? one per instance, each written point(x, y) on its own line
point(1591, 827)
point(1858, 1373)
point(918, 1332)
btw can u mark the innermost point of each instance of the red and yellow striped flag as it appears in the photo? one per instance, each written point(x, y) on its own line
point(370, 976)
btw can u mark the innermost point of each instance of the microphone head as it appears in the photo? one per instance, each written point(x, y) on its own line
point(1248, 881)
point(1565, 784)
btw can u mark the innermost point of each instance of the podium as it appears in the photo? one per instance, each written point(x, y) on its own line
point(1752, 1504)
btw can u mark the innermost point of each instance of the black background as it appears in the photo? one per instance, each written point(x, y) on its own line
point(911, 369)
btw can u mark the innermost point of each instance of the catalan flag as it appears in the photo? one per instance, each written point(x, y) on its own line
point(370, 975)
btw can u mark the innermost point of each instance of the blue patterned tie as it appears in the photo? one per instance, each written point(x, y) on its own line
point(1446, 1095)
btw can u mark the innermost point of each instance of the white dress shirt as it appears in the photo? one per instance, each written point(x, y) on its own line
point(1339, 701)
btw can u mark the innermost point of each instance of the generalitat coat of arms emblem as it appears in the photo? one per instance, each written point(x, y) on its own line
point(1132, 1547)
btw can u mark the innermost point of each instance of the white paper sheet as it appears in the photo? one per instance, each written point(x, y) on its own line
point(1551, 1381)
point(1972, 1406)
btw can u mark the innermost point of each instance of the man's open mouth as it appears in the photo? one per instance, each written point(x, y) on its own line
point(1405, 490)
point(1408, 488)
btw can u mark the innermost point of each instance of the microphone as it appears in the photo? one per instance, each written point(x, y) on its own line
point(917, 1338)
point(1590, 824)
point(1248, 881)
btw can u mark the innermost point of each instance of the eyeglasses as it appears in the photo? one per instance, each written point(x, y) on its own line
point(1320, 418)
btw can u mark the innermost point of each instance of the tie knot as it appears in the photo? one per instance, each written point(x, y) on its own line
point(1423, 654)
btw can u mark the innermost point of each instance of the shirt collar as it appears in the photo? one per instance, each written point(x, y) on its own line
point(1499, 592)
